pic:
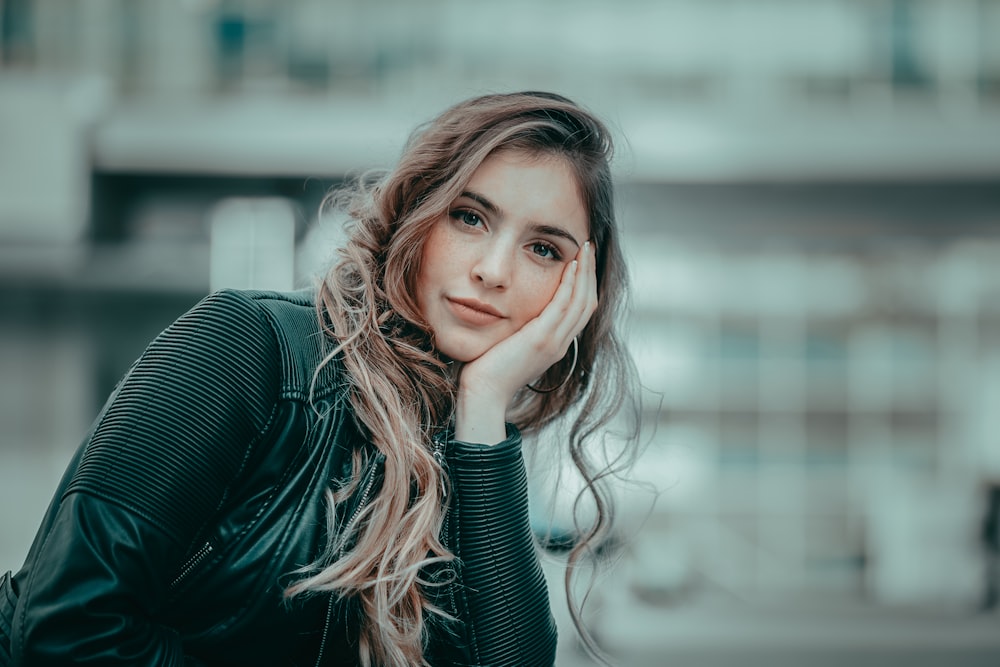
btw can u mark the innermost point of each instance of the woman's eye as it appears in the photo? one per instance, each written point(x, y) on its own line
point(467, 217)
point(545, 250)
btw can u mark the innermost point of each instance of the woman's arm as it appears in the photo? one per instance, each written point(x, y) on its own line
point(507, 617)
point(170, 441)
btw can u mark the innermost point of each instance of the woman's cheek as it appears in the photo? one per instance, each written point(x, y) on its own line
point(540, 290)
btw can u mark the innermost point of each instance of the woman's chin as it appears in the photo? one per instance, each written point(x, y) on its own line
point(462, 350)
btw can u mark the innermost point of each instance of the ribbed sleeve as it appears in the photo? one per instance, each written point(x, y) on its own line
point(182, 424)
point(171, 440)
point(509, 618)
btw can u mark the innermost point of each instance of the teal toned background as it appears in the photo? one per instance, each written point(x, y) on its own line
point(810, 196)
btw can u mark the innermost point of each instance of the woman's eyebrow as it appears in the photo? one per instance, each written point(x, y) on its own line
point(490, 207)
point(493, 209)
point(551, 230)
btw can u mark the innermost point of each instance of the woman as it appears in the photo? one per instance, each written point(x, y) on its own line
point(336, 478)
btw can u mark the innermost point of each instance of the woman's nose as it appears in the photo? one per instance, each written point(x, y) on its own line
point(493, 267)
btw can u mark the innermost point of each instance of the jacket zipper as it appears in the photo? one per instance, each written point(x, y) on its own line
point(192, 562)
point(439, 456)
point(438, 452)
point(326, 631)
point(365, 493)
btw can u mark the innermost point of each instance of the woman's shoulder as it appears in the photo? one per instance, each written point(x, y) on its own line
point(292, 314)
point(257, 335)
point(243, 303)
point(276, 332)
point(301, 344)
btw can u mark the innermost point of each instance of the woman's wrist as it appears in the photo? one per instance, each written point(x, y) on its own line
point(480, 417)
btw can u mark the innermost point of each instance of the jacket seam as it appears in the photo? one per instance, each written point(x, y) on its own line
point(251, 449)
point(301, 390)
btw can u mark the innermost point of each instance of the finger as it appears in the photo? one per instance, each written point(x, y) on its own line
point(570, 308)
point(559, 305)
point(590, 284)
point(550, 332)
point(584, 300)
point(563, 314)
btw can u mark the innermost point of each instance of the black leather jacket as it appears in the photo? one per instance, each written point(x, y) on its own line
point(201, 488)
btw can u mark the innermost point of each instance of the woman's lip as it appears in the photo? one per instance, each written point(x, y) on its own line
point(474, 311)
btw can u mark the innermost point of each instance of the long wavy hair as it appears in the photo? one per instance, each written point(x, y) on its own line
point(402, 393)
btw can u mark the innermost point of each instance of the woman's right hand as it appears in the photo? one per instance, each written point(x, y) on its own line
point(487, 385)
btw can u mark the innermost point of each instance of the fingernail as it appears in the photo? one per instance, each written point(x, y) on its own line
point(586, 246)
point(574, 265)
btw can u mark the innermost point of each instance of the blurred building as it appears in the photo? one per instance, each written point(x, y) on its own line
point(810, 193)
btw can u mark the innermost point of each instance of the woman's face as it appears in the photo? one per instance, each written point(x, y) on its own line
point(494, 260)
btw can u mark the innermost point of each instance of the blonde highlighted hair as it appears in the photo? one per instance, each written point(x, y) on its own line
point(402, 392)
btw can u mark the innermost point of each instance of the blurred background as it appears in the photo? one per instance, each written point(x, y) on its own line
point(810, 195)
